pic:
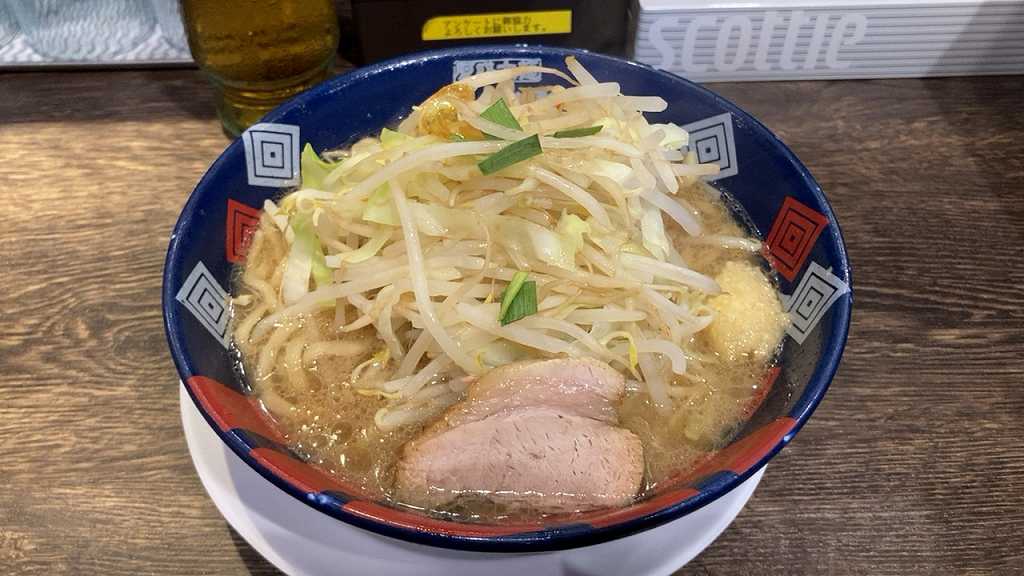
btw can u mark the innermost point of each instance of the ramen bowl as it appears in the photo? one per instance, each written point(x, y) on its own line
point(784, 204)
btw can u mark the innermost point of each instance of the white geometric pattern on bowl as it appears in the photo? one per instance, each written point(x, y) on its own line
point(272, 155)
point(207, 301)
point(713, 142)
point(819, 288)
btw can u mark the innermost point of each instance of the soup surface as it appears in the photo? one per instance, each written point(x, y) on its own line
point(409, 264)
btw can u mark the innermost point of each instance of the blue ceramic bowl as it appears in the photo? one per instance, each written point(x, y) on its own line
point(786, 205)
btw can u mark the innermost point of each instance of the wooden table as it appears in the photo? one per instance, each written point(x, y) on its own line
point(913, 464)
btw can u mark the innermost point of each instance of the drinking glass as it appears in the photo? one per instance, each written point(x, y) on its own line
point(258, 53)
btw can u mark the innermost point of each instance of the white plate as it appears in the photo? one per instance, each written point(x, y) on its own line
point(302, 541)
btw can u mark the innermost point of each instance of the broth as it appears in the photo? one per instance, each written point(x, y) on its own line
point(332, 426)
point(409, 265)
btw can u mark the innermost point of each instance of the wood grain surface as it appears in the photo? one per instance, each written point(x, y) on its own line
point(913, 464)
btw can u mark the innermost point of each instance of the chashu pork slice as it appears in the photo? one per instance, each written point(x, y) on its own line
point(530, 436)
point(580, 386)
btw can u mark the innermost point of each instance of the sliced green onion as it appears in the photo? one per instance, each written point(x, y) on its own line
point(513, 153)
point(500, 114)
point(510, 292)
point(578, 132)
point(523, 305)
point(455, 137)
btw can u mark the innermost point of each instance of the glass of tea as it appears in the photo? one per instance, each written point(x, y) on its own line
point(258, 53)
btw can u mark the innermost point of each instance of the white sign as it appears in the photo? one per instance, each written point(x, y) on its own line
point(738, 44)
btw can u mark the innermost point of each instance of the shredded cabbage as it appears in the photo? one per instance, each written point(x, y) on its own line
point(674, 137)
point(361, 254)
point(390, 139)
point(299, 265)
point(652, 229)
point(379, 208)
point(313, 169)
point(572, 228)
point(524, 239)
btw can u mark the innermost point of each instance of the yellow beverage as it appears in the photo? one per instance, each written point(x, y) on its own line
point(258, 53)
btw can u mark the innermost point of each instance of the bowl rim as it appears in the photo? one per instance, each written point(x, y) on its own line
point(545, 539)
